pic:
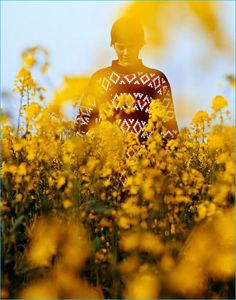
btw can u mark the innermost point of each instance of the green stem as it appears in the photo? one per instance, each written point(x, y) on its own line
point(115, 288)
point(27, 122)
point(18, 122)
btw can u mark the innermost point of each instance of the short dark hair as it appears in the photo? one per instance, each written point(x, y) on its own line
point(127, 29)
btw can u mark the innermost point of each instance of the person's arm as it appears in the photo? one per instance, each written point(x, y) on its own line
point(86, 118)
point(88, 112)
point(171, 128)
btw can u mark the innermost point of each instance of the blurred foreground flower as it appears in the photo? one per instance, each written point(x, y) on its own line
point(68, 244)
point(208, 253)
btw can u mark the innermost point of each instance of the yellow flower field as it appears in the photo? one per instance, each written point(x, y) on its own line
point(81, 219)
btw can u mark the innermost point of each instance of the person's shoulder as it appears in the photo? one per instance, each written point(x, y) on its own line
point(154, 71)
point(100, 73)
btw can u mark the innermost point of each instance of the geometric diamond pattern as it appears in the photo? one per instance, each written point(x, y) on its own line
point(144, 79)
point(157, 82)
point(142, 85)
point(114, 77)
point(125, 126)
point(130, 78)
point(105, 83)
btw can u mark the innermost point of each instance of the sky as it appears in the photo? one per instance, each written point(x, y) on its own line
point(77, 35)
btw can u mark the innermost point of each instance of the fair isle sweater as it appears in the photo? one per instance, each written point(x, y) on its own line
point(142, 83)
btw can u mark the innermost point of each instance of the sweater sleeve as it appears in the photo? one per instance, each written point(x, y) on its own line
point(88, 112)
point(171, 128)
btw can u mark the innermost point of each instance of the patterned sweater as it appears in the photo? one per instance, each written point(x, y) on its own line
point(138, 81)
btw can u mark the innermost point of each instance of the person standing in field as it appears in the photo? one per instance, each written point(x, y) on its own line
point(127, 76)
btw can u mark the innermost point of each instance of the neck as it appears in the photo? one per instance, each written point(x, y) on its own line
point(129, 64)
point(137, 66)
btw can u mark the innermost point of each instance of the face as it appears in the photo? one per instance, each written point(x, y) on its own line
point(127, 54)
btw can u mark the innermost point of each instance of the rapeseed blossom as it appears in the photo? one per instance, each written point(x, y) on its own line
point(218, 103)
point(103, 215)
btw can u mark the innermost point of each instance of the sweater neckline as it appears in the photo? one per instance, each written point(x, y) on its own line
point(129, 69)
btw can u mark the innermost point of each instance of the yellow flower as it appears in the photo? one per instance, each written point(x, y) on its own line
point(31, 154)
point(61, 182)
point(223, 265)
point(124, 222)
point(215, 141)
point(22, 170)
point(24, 83)
point(23, 73)
point(19, 197)
point(151, 243)
point(144, 285)
point(188, 280)
point(218, 103)
point(167, 263)
point(70, 91)
point(29, 60)
point(200, 117)
point(183, 199)
point(43, 289)
point(126, 102)
point(129, 241)
point(158, 112)
point(129, 265)
point(33, 110)
point(43, 245)
point(17, 147)
point(67, 203)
